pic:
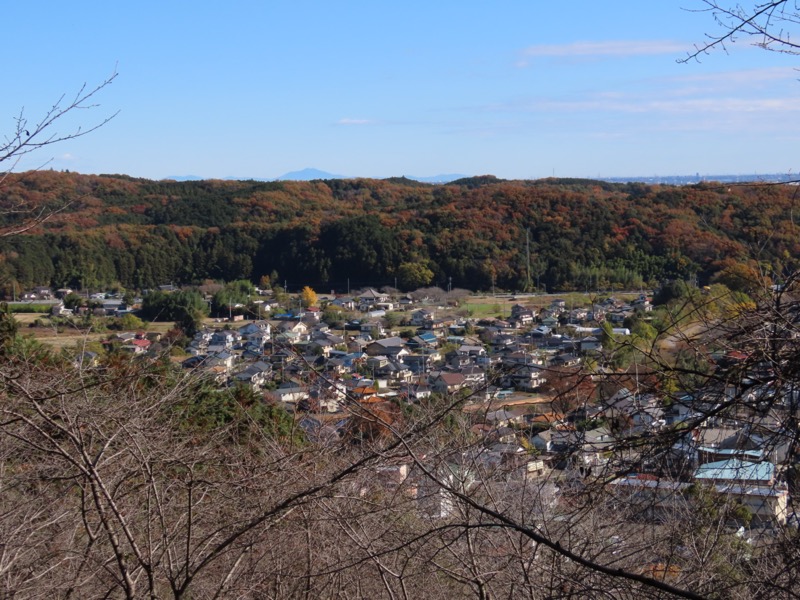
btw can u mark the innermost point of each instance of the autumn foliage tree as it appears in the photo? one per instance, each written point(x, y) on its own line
point(308, 297)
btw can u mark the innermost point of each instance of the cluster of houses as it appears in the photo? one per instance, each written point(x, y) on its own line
point(297, 360)
point(310, 367)
point(99, 304)
point(738, 456)
point(739, 460)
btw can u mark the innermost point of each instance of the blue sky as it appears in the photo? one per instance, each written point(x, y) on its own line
point(518, 89)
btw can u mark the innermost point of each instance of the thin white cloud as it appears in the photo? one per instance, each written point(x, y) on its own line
point(692, 106)
point(350, 121)
point(613, 102)
point(746, 76)
point(606, 49)
point(623, 48)
point(727, 105)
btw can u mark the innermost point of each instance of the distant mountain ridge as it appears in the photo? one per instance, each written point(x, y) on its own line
point(310, 173)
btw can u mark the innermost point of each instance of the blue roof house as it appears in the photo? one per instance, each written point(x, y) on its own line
point(737, 471)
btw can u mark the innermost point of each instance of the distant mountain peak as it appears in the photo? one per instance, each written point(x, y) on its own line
point(308, 174)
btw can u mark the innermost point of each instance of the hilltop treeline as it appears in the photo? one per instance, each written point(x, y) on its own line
point(473, 233)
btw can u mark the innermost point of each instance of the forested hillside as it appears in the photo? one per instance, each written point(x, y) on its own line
point(583, 234)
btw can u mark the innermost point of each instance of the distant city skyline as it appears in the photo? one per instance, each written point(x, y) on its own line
point(519, 90)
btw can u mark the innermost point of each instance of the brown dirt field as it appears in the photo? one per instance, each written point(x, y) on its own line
point(66, 339)
point(69, 338)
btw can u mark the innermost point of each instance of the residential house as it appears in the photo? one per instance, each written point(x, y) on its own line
point(578, 315)
point(597, 313)
point(414, 392)
point(543, 441)
point(565, 360)
point(291, 331)
point(59, 310)
point(321, 346)
point(503, 342)
point(255, 375)
point(290, 394)
point(512, 359)
point(395, 373)
point(325, 334)
point(473, 351)
point(370, 299)
point(505, 418)
point(736, 471)
point(522, 315)
point(142, 343)
point(526, 378)
point(550, 322)
point(373, 328)
point(406, 301)
point(258, 332)
point(226, 338)
point(766, 505)
point(590, 344)
point(361, 388)
point(425, 339)
point(335, 367)
point(712, 444)
point(639, 411)
point(312, 314)
point(325, 396)
point(357, 345)
point(456, 361)
point(474, 377)
point(423, 362)
point(595, 446)
point(387, 346)
point(422, 317)
point(223, 359)
point(345, 303)
point(447, 383)
point(642, 303)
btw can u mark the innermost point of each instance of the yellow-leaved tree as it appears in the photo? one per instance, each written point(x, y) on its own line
point(308, 297)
